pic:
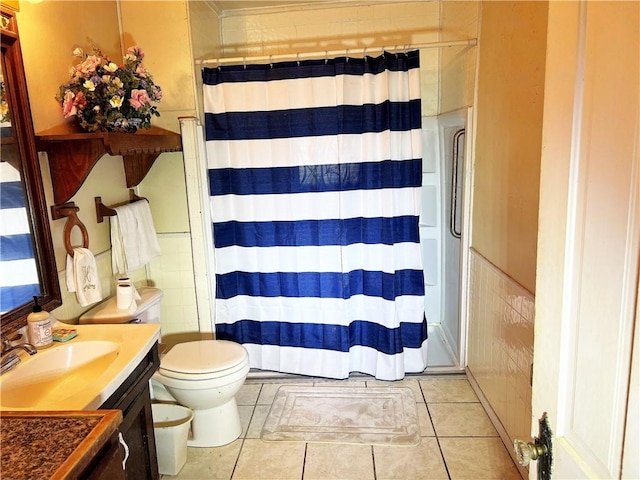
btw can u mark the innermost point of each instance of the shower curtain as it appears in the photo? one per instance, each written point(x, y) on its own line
point(314, 177)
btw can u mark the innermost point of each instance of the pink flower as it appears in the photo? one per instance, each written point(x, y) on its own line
point(88, 67)
point(141, 71)
point(138, 98)
point(68, 107)
point(136, 52)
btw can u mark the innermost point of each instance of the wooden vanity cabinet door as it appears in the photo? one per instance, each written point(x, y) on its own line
point(109, 467)
point(134, 399)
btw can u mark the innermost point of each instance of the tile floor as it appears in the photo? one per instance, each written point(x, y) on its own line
point(457, 441)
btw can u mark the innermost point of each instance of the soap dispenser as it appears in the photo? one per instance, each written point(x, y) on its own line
point(39, 326)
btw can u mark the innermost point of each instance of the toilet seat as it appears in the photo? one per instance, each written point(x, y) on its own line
point(204, 360)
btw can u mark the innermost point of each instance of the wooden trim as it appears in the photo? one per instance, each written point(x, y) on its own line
point(73, 153)
point(12, 4)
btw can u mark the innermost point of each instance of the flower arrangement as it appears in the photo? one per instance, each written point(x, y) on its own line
point(104, 96)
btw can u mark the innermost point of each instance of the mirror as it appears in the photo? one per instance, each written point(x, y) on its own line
point(27, 262)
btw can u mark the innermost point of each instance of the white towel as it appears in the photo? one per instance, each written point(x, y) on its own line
point(133, 237)
point(82, 277)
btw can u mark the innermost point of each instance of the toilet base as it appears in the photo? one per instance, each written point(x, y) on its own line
point(215, 427)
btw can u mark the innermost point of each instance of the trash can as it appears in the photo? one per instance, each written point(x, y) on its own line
point(171, 427)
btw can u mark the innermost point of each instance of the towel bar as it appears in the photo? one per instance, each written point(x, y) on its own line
point(104, 211)
point(70, 211)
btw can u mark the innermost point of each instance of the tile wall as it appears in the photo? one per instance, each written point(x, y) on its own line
point(458, 66)
point(501, 344)
point(172, 272)
point(331, 27)
point(71, 310)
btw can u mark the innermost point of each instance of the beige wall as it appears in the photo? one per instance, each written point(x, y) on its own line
point(508, 133)
point(505, 208)
point(64, 26)
point(162, 30)
point(49, 31)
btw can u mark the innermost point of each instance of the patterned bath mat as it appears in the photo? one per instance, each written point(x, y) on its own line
point(375, 416)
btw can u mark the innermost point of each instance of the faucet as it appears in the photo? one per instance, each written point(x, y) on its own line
point(9, 358)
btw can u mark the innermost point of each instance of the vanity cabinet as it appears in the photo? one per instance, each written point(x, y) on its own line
point(108, 465)
point(134, 399)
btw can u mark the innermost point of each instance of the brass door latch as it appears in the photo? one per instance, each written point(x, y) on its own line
point(540, 449)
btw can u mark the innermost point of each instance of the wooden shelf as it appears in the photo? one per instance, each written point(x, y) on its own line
point(73, 153)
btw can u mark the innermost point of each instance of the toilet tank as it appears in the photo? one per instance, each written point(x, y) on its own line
point(148, 310)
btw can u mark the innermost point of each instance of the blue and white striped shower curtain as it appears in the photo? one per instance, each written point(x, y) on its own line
point(314, 176)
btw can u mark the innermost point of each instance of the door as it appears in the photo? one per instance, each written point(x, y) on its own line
point(588, 241)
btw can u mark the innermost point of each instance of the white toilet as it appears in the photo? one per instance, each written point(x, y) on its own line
point(204, 375)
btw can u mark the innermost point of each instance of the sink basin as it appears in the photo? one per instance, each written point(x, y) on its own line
point(80, 374)
point(52, 372)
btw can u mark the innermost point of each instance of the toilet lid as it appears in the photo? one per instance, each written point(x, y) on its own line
point(203, 356)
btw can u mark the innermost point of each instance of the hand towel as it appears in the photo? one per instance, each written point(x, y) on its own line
point(133, 237)
point(82, 277)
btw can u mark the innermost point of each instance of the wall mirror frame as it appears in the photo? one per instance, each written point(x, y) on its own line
point(26, 158)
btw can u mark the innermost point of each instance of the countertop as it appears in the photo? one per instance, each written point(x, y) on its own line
point(52, 445)
point(80, 386)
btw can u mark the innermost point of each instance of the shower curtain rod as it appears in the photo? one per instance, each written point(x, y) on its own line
point(333, 53)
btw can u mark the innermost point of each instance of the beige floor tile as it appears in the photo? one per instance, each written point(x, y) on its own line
point(248, 394)
point(426, 428)
point(422, 462)
point(257, 421)
point(469, 442)
point(411, 384)
point(211, 463)
point(260, 460)
point(245, 417)
point(460, 420)
point(475, 458)
point(448, 390)
point(335, 461)
point(269, 390)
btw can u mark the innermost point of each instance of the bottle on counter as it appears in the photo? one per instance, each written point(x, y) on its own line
point(39, 326)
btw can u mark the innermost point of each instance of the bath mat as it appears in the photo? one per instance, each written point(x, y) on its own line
point(375, 416)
